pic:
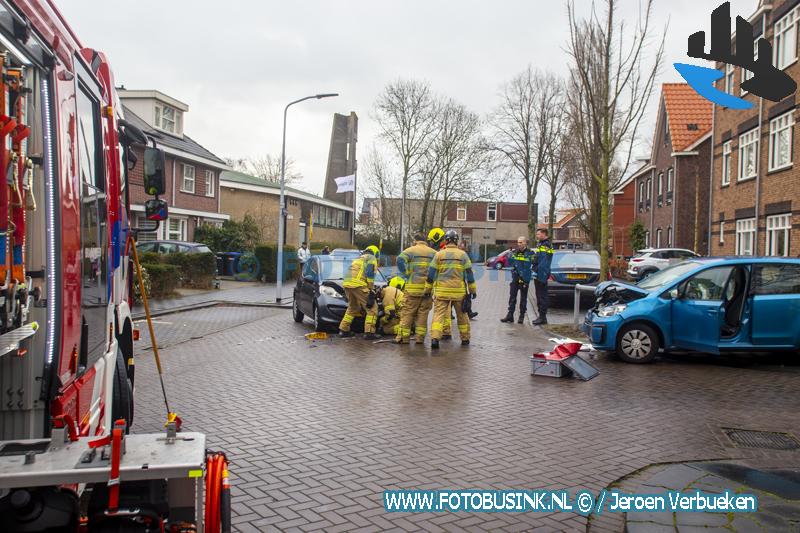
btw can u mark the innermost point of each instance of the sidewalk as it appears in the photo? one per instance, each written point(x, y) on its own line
point(234, 292)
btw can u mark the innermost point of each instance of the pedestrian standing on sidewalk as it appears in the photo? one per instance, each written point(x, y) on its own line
point(541, 272)
point(521, 272)
point(303, 255)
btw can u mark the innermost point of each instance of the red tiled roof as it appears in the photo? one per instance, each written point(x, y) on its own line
point(689, 114)
point(568, 216)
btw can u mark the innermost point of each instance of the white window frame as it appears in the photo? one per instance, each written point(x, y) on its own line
point(211, 183)
point(641, 195)
point(146, 236)
point(670, 179)
point(729, 78)
point(781, 125)
point(649, 190)
point(660, 183)
point(777, 224)
point(785, 40)
point(188, 180)
point(669, 236)
point(180, 234)
point(174, 125)
point(658, 238)
point(647, 239)
point(726, 162)
point(745, 236)
point(748, 141)
point(491, 212)
point(722, 232)
point(746, 74)
point(461, 213)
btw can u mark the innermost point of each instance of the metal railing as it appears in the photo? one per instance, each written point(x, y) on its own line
point(577, 305)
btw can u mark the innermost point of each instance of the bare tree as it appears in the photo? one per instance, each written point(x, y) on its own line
point(405, 112)
point(454, 166)
point(382, 184)
point(523, 129)
point(610, 86)
point(267, 167)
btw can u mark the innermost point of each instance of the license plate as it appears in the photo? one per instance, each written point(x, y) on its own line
point(576, 276)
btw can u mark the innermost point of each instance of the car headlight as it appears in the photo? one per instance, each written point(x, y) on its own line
point(330, 291)
point(611, 310)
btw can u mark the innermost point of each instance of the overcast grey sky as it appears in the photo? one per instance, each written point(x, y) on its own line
point(237, 63)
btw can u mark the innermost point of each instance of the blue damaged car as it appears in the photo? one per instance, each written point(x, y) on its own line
point(711, 305)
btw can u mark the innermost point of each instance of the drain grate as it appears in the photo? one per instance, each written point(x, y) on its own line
point(766, 440)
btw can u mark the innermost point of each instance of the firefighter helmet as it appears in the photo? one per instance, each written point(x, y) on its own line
point(373, 250)
point(435, 235)
point(451, 236)
point(397, 282)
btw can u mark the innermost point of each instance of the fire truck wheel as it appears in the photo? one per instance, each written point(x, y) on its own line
point(122, 395)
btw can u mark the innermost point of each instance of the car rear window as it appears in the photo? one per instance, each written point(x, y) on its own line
point(777, 279)
point(571, 260)
point(202, 249)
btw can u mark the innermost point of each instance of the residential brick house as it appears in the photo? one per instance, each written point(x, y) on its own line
point(755, 185)
point(672, 192)
point(568, 228)
point(192, 172)
point(623, 211)
point(242, 194)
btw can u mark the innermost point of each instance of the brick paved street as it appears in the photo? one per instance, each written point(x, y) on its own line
point(317, 430)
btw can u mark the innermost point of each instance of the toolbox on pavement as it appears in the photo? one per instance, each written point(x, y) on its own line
point(562, 362)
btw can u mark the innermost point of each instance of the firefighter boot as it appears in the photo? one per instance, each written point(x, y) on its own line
point(344, 334)
point(370, 336)
point(509, 318)
point(434, 344)
point(465, 343)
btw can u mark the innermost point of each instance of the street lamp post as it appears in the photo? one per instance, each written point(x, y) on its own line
point(282, 203)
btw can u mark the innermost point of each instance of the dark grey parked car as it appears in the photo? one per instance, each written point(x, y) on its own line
point(171, 247)
point(319, 294)
point(572, 267)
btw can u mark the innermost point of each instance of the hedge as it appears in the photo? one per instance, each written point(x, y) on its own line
point(267, 257)
point(164, 279)
point(196, 270)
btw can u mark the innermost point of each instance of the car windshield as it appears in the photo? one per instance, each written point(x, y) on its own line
point(335, 268)
point(202, 249)
point(667, 276)
point(573, 260)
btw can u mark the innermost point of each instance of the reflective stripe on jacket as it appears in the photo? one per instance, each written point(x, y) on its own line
point(448, 271)
point(412, 265)
point(392, 299)
point(522, 264)
point(362, 272)
point(544, 256)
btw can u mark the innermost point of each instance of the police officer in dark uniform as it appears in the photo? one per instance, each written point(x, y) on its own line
point(522, 270)
point(541, 272)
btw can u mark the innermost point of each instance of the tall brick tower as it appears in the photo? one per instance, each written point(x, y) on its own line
point(342, 159)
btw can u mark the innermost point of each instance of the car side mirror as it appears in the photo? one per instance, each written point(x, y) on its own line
point(674, 293)
point(156, 210)
point(154, 165)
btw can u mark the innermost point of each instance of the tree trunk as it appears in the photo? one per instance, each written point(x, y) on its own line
point(551, 213)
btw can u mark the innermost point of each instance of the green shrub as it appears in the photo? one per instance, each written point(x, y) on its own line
point(196, 270)
point(164, 279)
point(267, 256)
point(637, 233)
point(232, 236)
point(137, 295)
point(618, 268)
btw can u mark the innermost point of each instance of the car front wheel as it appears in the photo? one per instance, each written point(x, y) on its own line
point(298, 315)
point(318, 325)
point(637, 343)
point(498, 266)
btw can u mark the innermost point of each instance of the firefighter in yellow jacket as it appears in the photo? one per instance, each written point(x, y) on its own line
point(412, 265)
point(358, 285)
point(451, 279)
point(393, 301)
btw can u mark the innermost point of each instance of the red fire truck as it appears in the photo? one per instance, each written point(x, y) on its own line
point(66, 333)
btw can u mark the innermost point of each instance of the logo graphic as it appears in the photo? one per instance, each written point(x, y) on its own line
point(766, 81)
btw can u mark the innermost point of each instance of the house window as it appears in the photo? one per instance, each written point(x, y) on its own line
point(142, 223)
point(491, 212)
point(649, 192)
point(745, 236)
point(176, 229)
point(786, 39)
point(341, 219)
point(660, 187)
point(168, 119)
point(187, 185)
point(658, 238)
point(721, 232)
point(641, 195)
point(670, 175)
point(669, 236)
point(647, 239)
point(726, 163)
point(728, 78)
point(461, 212)
point(210, 181)
point(746, 74)
point(778, 228)
point(780, 141)
point(748, 154)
